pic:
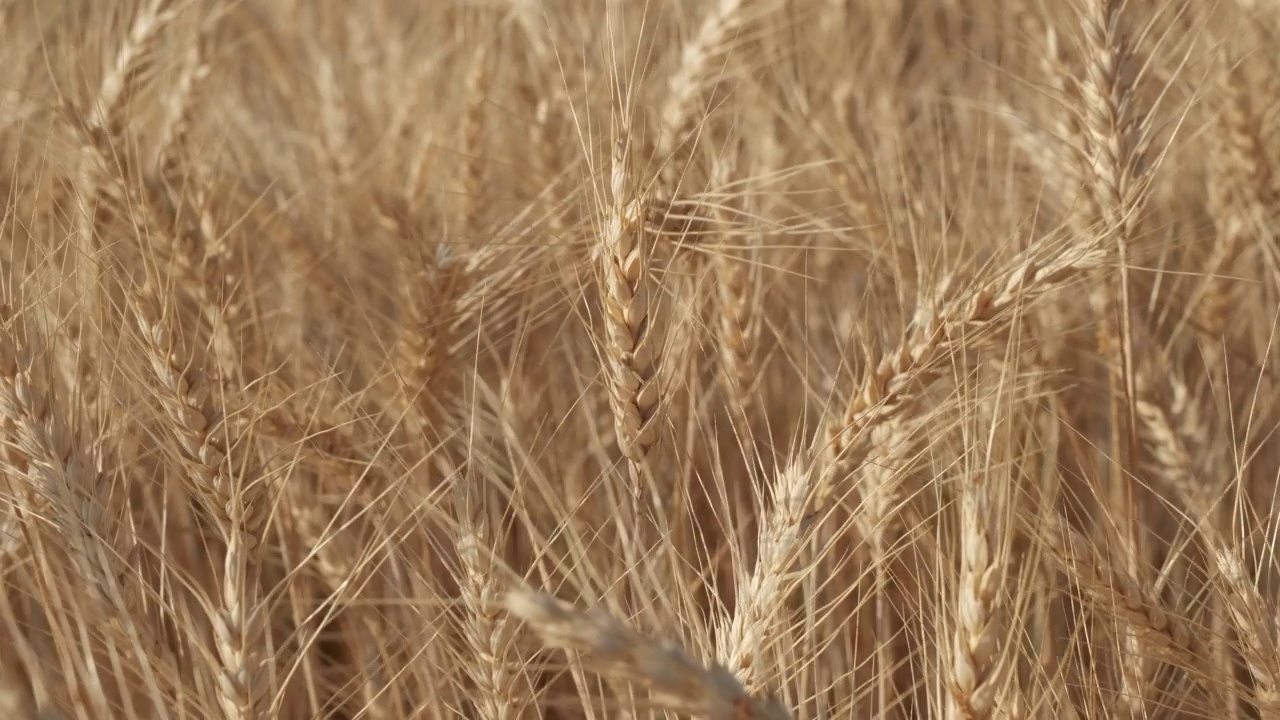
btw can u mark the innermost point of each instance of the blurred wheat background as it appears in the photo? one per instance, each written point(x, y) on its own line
point(593, 359)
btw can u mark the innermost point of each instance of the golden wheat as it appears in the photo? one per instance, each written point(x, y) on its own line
point(902, 360)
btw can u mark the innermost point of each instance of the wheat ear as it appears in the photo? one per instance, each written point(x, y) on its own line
point(631, 351)
point(739, 321)
point(698, 68)
point(236, 508)
point(958, 314)
point(743, 640)
point(1241, 193)
point(1118, 592)
point(489, 635)
point(473, 135)
point(977, 667)
point(180, 104)
point(1248, 611)
point(678, 681)
point(1117, 137)
point(105, 119)
point(422, 350)
point(64, 484)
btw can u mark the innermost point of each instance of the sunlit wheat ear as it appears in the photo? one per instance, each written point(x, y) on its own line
point(980, 640)
point(630, 348)
point(677, 680)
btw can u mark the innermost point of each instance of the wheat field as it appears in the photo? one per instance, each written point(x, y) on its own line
point(595, 359)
